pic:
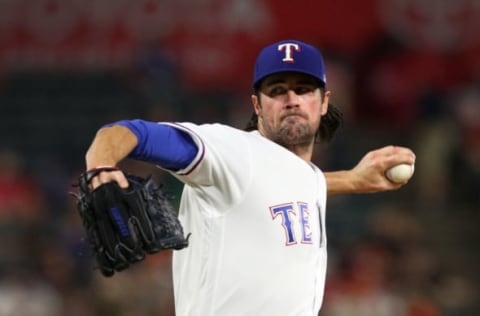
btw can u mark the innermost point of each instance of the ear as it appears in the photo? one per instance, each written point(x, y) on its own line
point(324, 106)
point(256, 104)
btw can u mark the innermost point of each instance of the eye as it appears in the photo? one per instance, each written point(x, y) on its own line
point(277, 90)
point(304, 89)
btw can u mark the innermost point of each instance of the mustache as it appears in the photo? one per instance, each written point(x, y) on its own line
point(293, 113)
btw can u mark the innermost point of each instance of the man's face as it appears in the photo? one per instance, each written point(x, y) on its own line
point(289, 108)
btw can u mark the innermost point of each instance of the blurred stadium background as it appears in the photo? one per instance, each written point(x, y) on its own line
point(404, 72)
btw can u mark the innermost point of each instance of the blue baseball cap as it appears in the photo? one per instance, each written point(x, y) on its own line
point(289, 55)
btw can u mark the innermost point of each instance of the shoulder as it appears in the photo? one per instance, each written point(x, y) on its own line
point(188, 126)
point(211, 131)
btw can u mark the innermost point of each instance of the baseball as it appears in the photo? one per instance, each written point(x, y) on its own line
point(400, 173)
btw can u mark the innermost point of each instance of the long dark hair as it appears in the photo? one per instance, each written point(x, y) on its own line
point(329, 123)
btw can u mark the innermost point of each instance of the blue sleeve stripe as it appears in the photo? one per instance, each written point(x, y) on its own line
point(161, 144)
point(201, 148)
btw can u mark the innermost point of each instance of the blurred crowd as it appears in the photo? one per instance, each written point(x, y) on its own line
point(411, 252)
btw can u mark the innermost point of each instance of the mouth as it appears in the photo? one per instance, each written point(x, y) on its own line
point(293, 115)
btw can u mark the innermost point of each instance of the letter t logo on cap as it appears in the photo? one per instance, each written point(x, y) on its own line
point(288, 47)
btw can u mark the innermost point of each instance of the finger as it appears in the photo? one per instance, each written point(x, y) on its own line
point(94, 183)
point(404, 155)
point(396, 186)
point(397, 155)
point(398, 150)
point(98, 180)
point(120, 179)
point(109, 176)
point(389, 185)
point(395, 150)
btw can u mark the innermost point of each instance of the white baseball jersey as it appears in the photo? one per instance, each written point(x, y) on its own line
point(256, 212)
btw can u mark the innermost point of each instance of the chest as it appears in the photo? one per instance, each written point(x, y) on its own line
point(283, 207)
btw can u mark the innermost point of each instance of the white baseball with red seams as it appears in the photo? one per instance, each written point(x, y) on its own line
point(400, 173)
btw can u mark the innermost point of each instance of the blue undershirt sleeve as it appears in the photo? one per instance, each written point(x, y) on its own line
point(161, 144)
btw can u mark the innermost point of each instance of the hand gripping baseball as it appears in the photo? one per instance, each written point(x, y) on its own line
point(370, 174)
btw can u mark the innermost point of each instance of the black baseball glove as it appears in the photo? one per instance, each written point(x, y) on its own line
point(124, 225)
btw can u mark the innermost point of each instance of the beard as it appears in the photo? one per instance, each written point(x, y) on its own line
point(293, 132)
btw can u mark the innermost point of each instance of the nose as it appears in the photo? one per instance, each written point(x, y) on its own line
point(292, 99)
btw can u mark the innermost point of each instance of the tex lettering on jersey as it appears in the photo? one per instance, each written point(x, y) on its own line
point(290, 214)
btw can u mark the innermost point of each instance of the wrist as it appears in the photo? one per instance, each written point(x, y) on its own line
point(344, 181)
point(100, 168)
point(354, 181)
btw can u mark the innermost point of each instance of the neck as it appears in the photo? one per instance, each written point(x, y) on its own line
point(303, 151)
